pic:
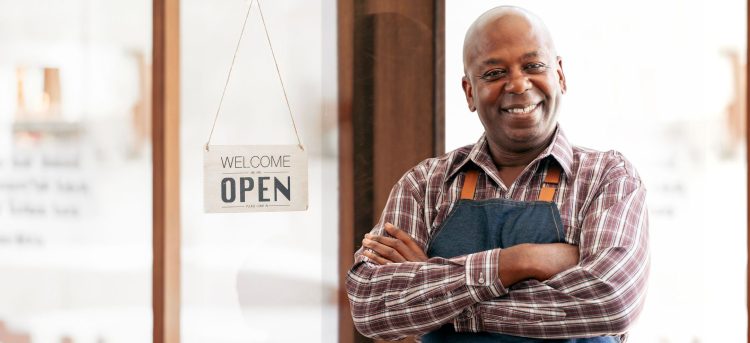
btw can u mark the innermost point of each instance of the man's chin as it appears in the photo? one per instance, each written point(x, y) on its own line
point(524, 136)
point(524, 140)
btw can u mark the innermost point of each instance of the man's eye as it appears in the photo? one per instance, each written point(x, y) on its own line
point(493, 74)
point(535, 67)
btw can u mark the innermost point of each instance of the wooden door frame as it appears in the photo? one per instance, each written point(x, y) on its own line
point(383, 45)
point(747, 163)
point(166, 171)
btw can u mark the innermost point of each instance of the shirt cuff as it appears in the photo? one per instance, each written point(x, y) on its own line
point(467, 320)
point(482, 275)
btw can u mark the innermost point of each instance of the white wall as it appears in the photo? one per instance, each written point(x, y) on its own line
point(650, 78)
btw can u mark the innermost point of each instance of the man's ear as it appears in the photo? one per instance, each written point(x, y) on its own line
point(561, 75)
point(469, 92)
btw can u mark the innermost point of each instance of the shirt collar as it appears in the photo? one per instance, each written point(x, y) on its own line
point(560, 149)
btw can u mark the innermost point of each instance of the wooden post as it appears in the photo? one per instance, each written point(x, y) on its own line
point(166, 171)
point(390, 112)
point(747, 159)
point(345, 25)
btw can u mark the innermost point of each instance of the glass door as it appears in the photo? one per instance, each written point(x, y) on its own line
point(259, 277)
point(75, 171)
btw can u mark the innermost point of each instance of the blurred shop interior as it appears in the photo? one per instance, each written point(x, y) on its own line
point(375, 87)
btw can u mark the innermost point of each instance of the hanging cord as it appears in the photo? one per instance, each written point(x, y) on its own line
point(278, 72)
point(231, 66)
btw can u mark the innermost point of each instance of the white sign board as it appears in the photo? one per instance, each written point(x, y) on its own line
point(254, 178)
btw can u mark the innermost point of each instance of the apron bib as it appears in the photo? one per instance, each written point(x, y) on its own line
point(479, 225)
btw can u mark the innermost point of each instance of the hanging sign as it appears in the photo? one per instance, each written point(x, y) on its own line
point(254, 178)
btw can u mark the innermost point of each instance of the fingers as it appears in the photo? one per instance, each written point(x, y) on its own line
point(400, 249)
point(390, 242)
point(384, 249)
point(396, 232)
point(406, 239)
point(375, 258)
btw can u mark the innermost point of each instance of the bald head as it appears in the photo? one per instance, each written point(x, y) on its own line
point(504, 21)
point(514, 80)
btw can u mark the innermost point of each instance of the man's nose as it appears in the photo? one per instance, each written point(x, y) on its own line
point(517, 84)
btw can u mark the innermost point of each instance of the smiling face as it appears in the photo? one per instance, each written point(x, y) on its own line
point(513, 79)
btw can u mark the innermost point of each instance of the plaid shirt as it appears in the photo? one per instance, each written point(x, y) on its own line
point(602, 204)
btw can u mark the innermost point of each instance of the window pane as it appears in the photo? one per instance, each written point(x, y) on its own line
point(75, 171)
point(259, 277)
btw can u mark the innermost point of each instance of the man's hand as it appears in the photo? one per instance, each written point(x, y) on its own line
point(400, 247)
point(535, 261)
point(554, 258)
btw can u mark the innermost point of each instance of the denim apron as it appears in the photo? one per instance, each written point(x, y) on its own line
point(479, 225)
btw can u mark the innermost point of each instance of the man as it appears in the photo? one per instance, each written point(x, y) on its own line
point(518, 238)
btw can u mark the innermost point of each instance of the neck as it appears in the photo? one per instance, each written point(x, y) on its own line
point(518, 159)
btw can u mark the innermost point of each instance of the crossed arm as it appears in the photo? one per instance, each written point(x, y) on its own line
point(520, 262)
point(395, 291)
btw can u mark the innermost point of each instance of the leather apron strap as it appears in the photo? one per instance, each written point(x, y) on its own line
point(551, 180)
point(470, 184)
point(550, 183)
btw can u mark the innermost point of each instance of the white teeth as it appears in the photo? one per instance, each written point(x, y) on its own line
point(524, 110)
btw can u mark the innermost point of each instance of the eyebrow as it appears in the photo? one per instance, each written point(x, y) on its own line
point(530, 55)
point(495, 61)
point(492, 61)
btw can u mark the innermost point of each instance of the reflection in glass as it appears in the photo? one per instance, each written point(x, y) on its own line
point(75, 171)
point(259, 277)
